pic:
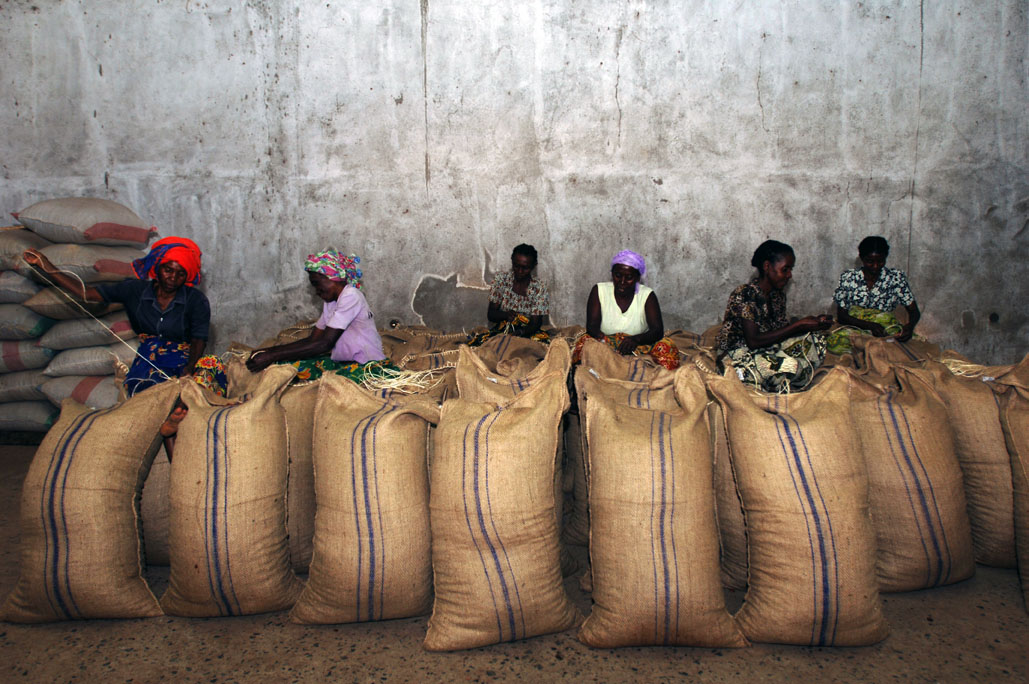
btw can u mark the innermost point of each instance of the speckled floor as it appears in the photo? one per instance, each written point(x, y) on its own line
point(974, 631)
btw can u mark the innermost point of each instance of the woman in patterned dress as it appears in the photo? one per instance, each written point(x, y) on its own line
point(519, 303)
point(867, 297)
point(345, 340)
point(766, 348)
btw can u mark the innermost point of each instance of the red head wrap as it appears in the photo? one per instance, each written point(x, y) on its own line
point(181, 250)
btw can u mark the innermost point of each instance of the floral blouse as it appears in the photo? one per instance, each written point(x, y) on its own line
point(889, 290)
point(535, 301)
point(748, 302)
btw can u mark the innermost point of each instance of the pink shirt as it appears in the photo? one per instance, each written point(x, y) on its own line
point(360, 340)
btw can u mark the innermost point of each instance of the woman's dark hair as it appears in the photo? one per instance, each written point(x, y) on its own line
point(770, 250)
point(525, 250)
point(874, 244)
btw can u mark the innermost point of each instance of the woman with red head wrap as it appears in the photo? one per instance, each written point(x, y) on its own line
point(171, 316)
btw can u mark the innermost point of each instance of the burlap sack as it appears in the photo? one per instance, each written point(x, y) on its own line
point(86, 220)
point(79, 514)
point(93, 360)
point(94, 263)
point(654, 545)
point(732, 529)
point(974, 417)
point(429, 361)
point(13, 244)
point(228, 545)
point(92, 391)
point(372, 557)
point(502, 349)
point(879, 354)
point(24, 355)
point(22, 386)
point(21, 323)
point(407, 345)
point(300, 330)
point(30, 416)
point(1015, 421)
point(85, 332)
point(658, 394)
point(608, 363)
point(805, 492)
point(915, 488)
point(60, 306)
point(477, 382)
point(709, 336)
point(494, 535)
point(16, 288)
point(154, 509)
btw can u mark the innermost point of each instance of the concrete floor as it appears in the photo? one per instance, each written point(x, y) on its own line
point(974, 631)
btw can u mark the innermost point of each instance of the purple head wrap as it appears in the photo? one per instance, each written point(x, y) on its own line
point(627, 257)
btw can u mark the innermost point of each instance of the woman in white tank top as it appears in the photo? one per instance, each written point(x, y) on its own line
point(626, 315)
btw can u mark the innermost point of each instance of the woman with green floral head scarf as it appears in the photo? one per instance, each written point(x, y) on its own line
point(345, 340)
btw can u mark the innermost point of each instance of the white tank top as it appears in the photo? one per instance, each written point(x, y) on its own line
point(612, 320)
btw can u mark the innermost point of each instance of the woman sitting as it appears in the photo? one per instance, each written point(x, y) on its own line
point(867, 297)
point(344, 340)
point(626, 315)
point(518, 301)
point(171, 317)
point(767, 349)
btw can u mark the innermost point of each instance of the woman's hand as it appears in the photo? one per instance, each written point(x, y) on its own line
point(628, 346)
point(905, 334)
point(812, 323)
point(259, 360)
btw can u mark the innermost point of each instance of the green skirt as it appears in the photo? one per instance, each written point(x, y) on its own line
point(309, 370)
point(788, 365)
point(839, 339)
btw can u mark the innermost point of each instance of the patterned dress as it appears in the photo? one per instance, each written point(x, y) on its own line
point(781, 367)
point(874, 304)
point(535, 302)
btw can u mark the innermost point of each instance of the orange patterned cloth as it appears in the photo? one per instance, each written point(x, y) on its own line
point(663, 351)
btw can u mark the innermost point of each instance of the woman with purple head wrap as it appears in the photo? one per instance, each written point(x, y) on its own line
point(626, 315)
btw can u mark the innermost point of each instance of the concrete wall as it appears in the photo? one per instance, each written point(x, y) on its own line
point(432, 137)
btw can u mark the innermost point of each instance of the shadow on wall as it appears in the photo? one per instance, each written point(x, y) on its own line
point(445, 305)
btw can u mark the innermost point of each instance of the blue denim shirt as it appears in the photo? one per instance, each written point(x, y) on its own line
point(188, 316)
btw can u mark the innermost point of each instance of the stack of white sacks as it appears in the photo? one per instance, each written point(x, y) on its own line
point(54, 347)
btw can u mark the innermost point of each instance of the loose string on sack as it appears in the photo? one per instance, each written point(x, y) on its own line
point(42, 274)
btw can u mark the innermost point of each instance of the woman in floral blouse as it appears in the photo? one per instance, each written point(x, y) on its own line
point(867, 296)
point(518, 301)
point(766, 348)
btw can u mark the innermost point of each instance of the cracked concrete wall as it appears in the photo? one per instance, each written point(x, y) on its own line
point(431, 137)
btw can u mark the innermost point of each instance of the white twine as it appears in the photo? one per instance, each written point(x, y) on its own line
point(42, 274)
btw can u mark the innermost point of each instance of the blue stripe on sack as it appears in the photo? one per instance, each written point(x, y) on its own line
point(52, 514)
point(378, 513)
point(371, 425)
point(360, 428)
point(671, 524)
point(633, 367)
point(505, 342)
point(819, 562)
point(653, 540)
point(945, 556)
point(216, 494)
point(904, 347)
point(500, 542)
point(922, 503)
point(835, 585)
point(468, 519)
point(661, 520)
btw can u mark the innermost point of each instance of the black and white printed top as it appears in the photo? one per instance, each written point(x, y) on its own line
point(890, 289)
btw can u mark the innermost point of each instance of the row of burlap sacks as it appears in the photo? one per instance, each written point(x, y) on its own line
point(494, 549)
point(52, 347)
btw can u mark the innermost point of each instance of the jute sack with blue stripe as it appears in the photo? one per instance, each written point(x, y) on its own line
point(476, 382)
point(653, 541)
point(1014, 417)
point(510, 350)
point(804, 490)
point(732, 529)
point(657, 393)
point(80, 534)
point(298, 401)
point(973, 411)
point(880, 354)
point(609, 364)
point(494, 534)
point(228, 546)
point(916, 491)
point(372, 557)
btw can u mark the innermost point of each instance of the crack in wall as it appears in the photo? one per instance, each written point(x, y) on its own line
point(618, 79)
point(918, 124)
point(425, 87)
